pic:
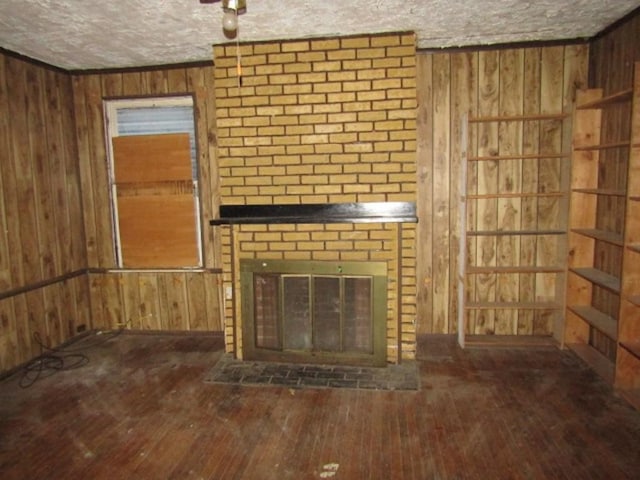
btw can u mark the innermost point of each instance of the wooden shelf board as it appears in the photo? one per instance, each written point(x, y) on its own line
point(522, 156)
point(597, 319)
point(634, 198)
point(619, 97)
point(633, 347)
point(514, 195)
point(476, 233)
point(598, 362)
point(510, 341)
point(609, 237)
point(601, 146)
point(601, 191)
point(518, 269)
point(512, 306)
point(519, 118)
point(599, 278)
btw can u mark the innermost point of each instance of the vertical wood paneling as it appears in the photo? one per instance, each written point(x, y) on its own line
point(215, 302)
point(463, 101)
point(45, 229)
point(6, 177)
point(86, 178)
point(173, 298)
point(529, 206)
point(487, 175)
point(424, 155)
point(131, 84)
point(112, 85)
point(23, 329)
point(149, 302)
point(471, 186)
point(111, 301)
point(576, 70)
point(209, 136)
point(57, 203)
point(195, 289)
point(131, 315)
point(99, 173)
point(84, 315)
point(69, 312)
point(95, 301)
point(11, 233)
point(441, 187)
point(575, 78)
point(159, 301)
point(509, 180)
point(550, 171)
point(612, 56)
point(41, 234)
point(74, 250)
point(36, 322)
point(177, 80)
point(156, 82)
point(164, 292)
point(94, 172)
point(195, 82)
point(53, 325)
point(10, 354)
point(22, 213)
point(488, 83)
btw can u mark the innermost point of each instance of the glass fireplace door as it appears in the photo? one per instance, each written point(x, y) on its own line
point(330, 313)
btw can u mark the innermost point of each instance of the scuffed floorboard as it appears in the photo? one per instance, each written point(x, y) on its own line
point(141, 409)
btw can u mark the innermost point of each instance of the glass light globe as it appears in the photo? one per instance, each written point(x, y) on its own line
point(229, 21)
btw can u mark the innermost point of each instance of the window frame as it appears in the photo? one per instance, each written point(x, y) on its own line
point(110, 111)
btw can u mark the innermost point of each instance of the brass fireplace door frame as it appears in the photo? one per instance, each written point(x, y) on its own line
point(377, 271)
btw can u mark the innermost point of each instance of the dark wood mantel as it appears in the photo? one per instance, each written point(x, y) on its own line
point(366, 212)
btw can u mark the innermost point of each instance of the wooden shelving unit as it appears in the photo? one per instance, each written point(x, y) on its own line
point(513, 203)
point(602, 322)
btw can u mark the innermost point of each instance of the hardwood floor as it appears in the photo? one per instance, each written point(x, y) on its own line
point(140, 410)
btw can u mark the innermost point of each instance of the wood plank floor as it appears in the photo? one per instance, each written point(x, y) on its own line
point(140, 410)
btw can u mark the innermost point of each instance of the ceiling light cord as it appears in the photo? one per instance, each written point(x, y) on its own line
point(231, 9)
point(238, 58)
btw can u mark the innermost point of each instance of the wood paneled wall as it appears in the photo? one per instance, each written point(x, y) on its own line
point(611, 64)
point(146, 300)
point(43, 289)
point(484, 82)
point(612, 55)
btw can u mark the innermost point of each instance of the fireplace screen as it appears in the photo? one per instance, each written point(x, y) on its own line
point(314, 311)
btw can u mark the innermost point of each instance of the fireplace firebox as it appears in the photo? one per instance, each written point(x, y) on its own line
point(319, 283)
point(314, 311)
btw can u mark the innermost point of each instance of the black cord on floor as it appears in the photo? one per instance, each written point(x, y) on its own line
point(52, 360)
point(46, 365)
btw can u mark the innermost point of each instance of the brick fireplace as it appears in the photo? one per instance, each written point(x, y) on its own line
point(311, 123)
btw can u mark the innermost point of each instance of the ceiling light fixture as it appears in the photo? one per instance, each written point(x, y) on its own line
point(232, 8)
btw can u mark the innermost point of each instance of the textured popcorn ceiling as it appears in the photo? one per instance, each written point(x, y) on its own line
point(87, 34)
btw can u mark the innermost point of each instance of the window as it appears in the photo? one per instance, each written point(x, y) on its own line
point(153, 174)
